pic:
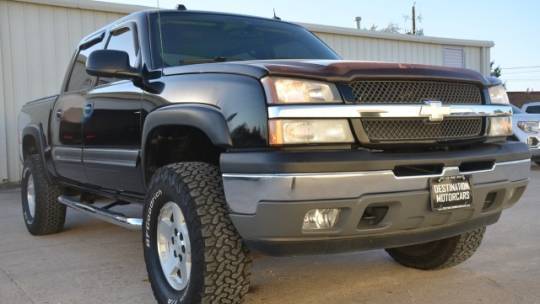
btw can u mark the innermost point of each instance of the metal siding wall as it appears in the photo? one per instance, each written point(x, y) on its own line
point(3, 113)
point(373, 49)
point(37, 42)
point(473, 58)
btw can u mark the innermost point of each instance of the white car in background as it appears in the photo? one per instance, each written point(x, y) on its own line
point(526, 126)
point(531, 107)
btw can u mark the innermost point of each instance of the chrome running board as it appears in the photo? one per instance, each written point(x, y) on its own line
point(102, 213)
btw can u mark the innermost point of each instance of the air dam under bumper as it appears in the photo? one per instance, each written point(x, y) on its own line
point(268, 208)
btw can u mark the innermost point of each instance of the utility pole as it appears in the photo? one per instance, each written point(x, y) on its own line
point(414, 18)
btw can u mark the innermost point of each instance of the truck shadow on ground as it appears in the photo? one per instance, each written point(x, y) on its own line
point(370, 276)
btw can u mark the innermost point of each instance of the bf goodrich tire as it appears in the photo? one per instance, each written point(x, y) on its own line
point(41, 211)
point(192, 251)
point(439, 254)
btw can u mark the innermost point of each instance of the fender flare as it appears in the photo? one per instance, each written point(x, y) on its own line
point(208, 119)
point(36, 132)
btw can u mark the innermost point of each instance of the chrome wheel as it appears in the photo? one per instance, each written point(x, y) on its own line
point(174, 248)
point(31, 195)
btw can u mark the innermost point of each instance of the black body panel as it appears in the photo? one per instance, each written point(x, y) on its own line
point(360, 160)
point(112, 137)
point(240, 100)
point(368, 242)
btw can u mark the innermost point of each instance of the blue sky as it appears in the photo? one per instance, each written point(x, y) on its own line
point(514, 26)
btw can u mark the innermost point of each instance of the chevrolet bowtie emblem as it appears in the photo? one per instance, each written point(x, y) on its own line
point(434, 110)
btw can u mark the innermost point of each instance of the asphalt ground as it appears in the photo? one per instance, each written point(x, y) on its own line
point(95, 262)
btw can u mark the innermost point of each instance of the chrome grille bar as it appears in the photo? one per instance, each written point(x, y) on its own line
point(382, 110)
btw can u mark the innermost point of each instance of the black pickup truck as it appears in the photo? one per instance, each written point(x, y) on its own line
point(240, 134)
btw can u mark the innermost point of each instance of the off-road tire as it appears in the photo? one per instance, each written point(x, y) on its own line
point(221, 263)
point(439, 254)
point(49, 215)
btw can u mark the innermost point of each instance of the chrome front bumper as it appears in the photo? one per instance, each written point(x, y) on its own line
point(270, 192)
point(245, 192)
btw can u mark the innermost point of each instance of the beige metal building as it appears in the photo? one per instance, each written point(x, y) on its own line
point(38, 37)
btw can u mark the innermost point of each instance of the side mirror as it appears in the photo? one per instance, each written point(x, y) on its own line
point(111, 63)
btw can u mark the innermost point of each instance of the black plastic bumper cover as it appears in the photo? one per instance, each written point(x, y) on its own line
point(359, 243)
point(360, 160)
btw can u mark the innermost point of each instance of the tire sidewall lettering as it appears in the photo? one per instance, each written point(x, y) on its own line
point(148, 220)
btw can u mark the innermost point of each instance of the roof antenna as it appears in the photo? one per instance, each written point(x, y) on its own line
point(275, 16)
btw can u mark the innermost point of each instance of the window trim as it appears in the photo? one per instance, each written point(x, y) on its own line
point(86, 44)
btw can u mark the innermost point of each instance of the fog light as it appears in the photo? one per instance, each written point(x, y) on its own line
point(317, 219)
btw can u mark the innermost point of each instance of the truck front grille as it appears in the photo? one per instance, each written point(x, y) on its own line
point(414, 92)
point(381, 130)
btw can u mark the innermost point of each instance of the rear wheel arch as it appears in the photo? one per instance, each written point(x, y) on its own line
point(32, 141)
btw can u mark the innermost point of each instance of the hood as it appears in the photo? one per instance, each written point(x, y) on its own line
point(334, 70)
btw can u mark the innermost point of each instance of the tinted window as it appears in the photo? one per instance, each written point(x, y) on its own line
point(79, 79)
point(533, 109)
point(124, 41)
point(189, 38)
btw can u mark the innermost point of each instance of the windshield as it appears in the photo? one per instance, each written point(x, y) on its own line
point(190, 38)
point(515, 109)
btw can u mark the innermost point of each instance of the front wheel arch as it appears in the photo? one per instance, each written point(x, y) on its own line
point(203, 122)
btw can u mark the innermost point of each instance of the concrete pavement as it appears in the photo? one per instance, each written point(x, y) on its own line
point(94, 262)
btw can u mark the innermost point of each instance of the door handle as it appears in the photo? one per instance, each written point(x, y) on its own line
point(59, 114)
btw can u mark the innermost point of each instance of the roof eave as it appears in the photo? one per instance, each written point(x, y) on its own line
point(390, 36)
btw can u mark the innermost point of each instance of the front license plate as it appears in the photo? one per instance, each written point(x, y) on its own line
point(450, 192)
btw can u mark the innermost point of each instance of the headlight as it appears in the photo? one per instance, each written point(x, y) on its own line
point(498, 95)
point(529, 126)
point(500, 126)
point(309, 131)
point(291, 91)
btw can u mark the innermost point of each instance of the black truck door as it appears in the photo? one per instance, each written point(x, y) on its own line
point(112, 125)
point(68, 115)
